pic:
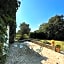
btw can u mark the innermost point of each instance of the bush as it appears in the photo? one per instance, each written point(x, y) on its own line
point(25, 36)
point(2, 59)
point(1, 47)
point(57, 46)
point(46, 42)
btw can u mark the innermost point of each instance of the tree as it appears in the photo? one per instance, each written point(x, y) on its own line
point(43, 27)
point(9, 7)
point(8, 10)
point(54, 28)
point(24, 28)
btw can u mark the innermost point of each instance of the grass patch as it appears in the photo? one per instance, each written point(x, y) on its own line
point(61, 43)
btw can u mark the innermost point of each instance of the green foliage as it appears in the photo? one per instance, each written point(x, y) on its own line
point(43, 27)
point(54, 29)
point(24, 28)
point(8, 10)
point(58, 46)
point(2, 59)
point(1, 46)
point(2, 31)
point(38, 35)
point(25, 36)
point(9, 7)
point(18, 36)
point(23, 32)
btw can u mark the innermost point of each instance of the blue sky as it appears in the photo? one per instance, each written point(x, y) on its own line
point(36, 12)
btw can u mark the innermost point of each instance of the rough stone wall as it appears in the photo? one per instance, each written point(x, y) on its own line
point(53, 57)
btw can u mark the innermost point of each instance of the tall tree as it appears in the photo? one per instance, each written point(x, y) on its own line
point(24, 28)
point(54, 28)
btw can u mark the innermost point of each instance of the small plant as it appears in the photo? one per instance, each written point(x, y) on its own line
point(57, 48)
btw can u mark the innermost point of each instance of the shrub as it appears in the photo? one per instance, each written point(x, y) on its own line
point(25, 36)
point(57, 48)
point(46, 42)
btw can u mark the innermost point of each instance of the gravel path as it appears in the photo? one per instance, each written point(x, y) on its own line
point(52, 56)
point(19, 53)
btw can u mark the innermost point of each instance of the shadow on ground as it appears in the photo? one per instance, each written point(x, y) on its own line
point(23, 55)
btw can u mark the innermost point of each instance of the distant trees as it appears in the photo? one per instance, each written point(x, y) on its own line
point(37, 35)
point(43, 27)
point(24, 30)
point(54, 29)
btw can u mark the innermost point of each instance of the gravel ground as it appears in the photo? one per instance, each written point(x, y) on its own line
point(52, 56)
point(19, 53)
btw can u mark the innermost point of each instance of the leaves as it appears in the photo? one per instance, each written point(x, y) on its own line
point(2, 31)
point(24, 28)
point(54, 28)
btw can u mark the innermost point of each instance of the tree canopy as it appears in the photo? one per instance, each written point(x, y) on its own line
point(24, 28)
point(24, 31)
point(54, 29)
